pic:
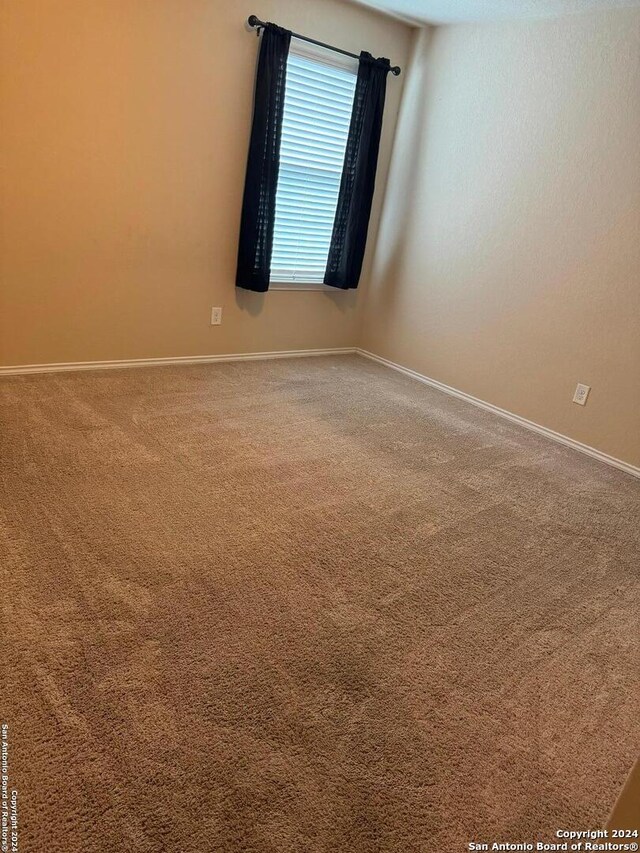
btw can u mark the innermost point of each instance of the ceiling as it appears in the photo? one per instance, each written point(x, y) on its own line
point(454, 11)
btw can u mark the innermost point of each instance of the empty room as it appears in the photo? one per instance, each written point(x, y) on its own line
point(319, 426)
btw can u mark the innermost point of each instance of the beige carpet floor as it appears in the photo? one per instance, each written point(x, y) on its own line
point(306, 605)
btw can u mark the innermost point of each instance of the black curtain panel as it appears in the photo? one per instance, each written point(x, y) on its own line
point(349, 238)
point(259, 201)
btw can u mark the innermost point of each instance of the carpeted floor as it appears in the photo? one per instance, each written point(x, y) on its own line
point(306, 605)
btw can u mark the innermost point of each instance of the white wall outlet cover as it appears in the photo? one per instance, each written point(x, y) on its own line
point(216, 316)
point(582, 392)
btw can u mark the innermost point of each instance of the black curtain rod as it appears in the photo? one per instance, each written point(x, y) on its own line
point(255, 22)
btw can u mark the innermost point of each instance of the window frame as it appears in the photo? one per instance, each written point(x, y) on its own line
point(319, 54)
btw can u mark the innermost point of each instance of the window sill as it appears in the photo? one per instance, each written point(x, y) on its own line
point(301, 286)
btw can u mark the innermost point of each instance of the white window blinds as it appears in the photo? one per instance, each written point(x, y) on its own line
point(317, 113)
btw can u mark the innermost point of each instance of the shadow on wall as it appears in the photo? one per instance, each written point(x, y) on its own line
point(403, 191)
point(254, 303)
point(250, 301)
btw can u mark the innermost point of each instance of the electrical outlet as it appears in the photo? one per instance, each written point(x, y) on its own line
point(582, 392)
point(216, 316)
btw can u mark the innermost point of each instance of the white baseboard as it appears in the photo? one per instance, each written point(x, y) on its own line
point(118, 364)
point(503, 413)
point(20, 369)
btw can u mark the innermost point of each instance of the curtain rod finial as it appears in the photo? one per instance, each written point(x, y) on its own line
point(254, 23)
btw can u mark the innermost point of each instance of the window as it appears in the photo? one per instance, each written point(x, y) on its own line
point(317, 113)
